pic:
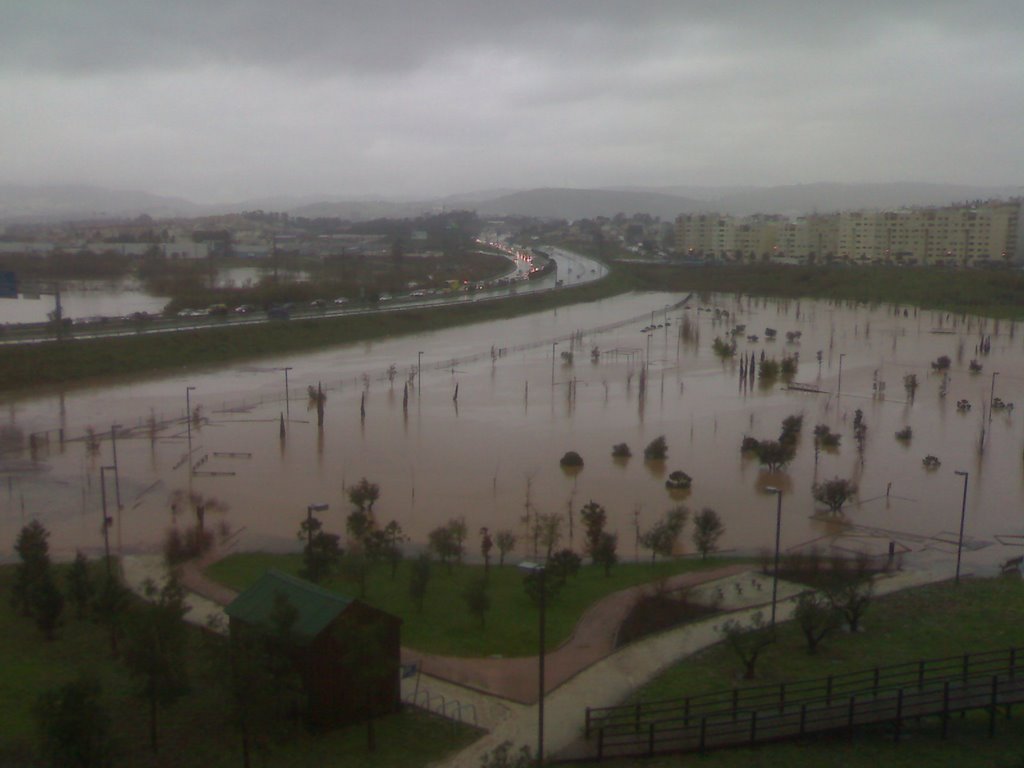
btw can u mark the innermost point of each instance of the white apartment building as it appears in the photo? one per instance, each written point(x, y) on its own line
point(958, 235)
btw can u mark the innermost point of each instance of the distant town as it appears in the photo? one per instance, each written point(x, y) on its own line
point(979, 233)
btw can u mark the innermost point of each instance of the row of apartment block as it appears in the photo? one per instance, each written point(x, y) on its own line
point(958, 235)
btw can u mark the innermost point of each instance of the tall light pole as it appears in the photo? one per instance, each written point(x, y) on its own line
point(106, 519)
point(553, 345)
point(188, 422)
point(117, 478)
point(963, 515)
point(419, 368)
point(992, 395)
point(839, 385)
point(287, 399)
point(778, 537)
point(312, 564)
point(539, 569)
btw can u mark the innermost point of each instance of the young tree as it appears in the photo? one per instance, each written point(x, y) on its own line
point(47, 605)
point(34, 551)
point(322, 551)
point(850, 594)
point(834, 493)
point(363, 495)
point(549, 531)
point(774, 454)
point(74, 726)
point(81, 590)
point(156, 649)
point(360, 521)
point(478, 602)
point(604, 553)
point(506, 541)
point(707, 530)
point(594, 519)
point(110, 608)
point(817, 618)
point(564, 563)
point(662, 537)
point(457, 525)
point(749, 641)
point(486, 545)
point(419, 578)
point(444, 544)
point(656, 450)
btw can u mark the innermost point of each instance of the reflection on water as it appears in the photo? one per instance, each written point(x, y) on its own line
point(482, 438)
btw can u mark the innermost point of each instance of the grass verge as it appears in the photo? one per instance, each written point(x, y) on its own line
point(446, 626)
point(930, 622)
point(193, 731)
point(990, 293)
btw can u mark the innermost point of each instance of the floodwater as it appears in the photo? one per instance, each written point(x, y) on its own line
point(492, 452)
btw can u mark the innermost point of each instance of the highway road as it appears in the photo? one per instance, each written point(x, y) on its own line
point(571, 269)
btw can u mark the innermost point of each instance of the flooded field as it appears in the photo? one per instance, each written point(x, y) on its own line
point(481, 429)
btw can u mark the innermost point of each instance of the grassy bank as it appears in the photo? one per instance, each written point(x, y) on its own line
point(446, 626)
point(935, 621)
point(78, 362)
point(992, 293)
point(193, 731)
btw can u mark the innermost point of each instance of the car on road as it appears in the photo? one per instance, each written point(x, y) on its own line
point(341, 301)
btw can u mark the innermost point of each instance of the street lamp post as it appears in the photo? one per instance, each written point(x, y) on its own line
point(310, 509)
point(778, 536)
point(963, 515)
point(839, 385)
point(553, 345)
point(117, 477)
point(540, 570)
point(188, 422)
point(419, 368)
point(992, 395)
point(106, 519)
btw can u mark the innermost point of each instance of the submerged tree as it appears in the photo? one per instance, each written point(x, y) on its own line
point(707, 530)
point(834, 493)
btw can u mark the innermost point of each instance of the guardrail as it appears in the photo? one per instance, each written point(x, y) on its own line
point(744, 716)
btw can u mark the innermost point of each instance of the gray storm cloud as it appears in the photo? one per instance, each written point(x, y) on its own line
point(231, 99)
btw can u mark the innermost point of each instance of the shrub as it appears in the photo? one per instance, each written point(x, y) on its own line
point(657, 449)
point(571, 459)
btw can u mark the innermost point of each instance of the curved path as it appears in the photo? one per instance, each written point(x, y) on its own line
point(514, 678)
point(592, 640)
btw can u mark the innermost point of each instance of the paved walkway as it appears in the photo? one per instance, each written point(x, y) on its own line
point(499, 695)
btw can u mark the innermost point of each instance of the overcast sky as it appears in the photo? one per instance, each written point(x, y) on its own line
point(221, 100)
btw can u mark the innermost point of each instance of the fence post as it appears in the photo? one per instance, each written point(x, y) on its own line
point(753, 727)
point(992, 707)
point(945, 708)
point(650, 741)
point(849, 723)
point(899, 716)
point(703, 734)
point(600, 742)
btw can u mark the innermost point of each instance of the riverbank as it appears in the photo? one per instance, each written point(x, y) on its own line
point(82, 362)
point(995, 293)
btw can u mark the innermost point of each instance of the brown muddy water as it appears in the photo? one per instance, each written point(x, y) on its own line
point(495, 448)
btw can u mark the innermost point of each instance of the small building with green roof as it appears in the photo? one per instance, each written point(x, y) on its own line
point(347, 651)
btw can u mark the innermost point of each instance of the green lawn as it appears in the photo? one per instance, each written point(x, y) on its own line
point(193, 731)
point(930, 622)
point(446, 626)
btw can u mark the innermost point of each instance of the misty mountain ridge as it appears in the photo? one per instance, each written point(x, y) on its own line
point(23, 203)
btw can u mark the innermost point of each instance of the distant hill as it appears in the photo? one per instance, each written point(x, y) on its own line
point(56, 203)
point(61, 203)
point(586, 203)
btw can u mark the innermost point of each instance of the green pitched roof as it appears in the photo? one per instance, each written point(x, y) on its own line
point(316, 606)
